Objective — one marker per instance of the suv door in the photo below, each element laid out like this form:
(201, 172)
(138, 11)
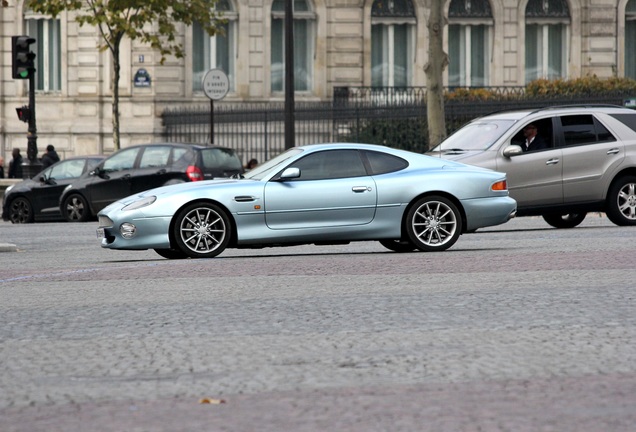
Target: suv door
(153, 169)
(590, 151)
(113, 179)
(535, 178)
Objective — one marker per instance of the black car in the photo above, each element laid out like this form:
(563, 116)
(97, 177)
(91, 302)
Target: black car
(38, 199)
(138, 168)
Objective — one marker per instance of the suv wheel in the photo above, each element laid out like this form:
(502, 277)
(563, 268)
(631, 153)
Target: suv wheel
(569, 220)
(75, 208)
(621, 201)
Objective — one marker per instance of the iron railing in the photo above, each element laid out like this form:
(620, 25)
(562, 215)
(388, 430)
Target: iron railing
(390, 116)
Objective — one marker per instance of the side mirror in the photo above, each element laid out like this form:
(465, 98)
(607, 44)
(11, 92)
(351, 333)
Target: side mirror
(290, 173)
(512, 150)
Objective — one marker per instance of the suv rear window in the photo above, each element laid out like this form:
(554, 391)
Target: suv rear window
(216, 158)
(628, 120)
(583, 129)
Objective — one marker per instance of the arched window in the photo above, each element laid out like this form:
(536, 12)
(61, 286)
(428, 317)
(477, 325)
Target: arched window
(47, 49)
(304, 23)
(630, 39)
(216, 52)
(547, 24)
(392, 43)
(469, 40)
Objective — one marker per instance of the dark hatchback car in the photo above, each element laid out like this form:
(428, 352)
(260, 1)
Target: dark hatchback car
(38, 199)
(138, 168)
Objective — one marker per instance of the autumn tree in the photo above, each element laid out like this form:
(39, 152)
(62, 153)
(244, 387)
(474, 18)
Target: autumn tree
(437, 61)
(149, 21)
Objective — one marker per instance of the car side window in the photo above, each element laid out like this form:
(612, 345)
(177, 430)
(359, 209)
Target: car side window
(382, 163)
(122, 160)
(584, 129)
(330, 164)
(156, 156)
(67, 169)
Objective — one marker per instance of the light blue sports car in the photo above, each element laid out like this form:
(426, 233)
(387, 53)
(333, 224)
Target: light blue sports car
(321, 194)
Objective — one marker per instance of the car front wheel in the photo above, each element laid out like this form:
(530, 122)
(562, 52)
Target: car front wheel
(202, 230)
(20, 211)
(433, 224)
(564, 221)
(621, 205)
(75, 208)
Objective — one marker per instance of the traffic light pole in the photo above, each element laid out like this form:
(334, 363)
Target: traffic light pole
(34, 166)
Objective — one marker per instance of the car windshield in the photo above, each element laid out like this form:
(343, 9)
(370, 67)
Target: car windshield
(273, 164)
(478, 135)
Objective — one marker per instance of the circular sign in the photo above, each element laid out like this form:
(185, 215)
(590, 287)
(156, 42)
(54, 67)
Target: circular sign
(216, 84)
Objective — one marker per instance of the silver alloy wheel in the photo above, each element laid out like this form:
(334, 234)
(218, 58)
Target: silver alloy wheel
(203, 230)
(434, 224)
(76, 208)
(626, 200)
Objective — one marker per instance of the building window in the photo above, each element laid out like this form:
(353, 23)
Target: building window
(469, 39)
(547, 24)
(47, 49)
(392, 43)
(630, 39)
(304, 23)
(215, 52)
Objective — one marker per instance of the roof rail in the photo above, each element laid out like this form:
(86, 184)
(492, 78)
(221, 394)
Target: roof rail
(577, 106)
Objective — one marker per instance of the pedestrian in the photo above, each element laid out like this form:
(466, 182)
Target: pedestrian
(1, 167)
(251, 164)
(15, 166)
(50, 157)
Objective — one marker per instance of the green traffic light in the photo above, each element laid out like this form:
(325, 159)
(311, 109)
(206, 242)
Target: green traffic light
(24, 74)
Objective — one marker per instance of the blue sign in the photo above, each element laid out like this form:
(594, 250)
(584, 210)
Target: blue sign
(142, 78)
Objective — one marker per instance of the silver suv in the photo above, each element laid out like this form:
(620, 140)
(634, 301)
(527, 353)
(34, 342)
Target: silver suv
(587, 163)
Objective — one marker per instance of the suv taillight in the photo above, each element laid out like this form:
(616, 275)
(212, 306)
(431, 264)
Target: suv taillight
(194, 173)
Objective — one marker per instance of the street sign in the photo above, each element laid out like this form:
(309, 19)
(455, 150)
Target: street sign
(216, 84)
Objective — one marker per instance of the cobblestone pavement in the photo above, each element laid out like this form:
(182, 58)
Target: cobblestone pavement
(517, 328)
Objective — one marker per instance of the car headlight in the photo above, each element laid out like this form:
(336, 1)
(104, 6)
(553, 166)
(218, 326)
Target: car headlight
(140, 203)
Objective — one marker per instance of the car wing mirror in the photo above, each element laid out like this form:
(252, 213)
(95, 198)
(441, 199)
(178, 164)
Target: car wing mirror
(512, 150)
(290, 173)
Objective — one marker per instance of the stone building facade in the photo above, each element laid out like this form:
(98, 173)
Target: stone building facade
(336, 43)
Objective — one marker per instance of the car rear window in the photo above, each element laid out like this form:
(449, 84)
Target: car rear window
(216, 158)
(628, 120)
(383, 163)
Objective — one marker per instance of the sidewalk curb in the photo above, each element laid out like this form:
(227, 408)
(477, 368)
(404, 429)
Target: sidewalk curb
(8, 247)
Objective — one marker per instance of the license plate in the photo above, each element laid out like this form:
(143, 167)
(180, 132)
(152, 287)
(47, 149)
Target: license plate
(100, 233)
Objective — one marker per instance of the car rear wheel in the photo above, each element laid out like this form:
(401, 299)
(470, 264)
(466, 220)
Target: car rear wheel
(569, 220)
(171, 253)
(433, 224)
(621, 205)
(398, 245)
(20, 211)
(75, 208)
(202, 230)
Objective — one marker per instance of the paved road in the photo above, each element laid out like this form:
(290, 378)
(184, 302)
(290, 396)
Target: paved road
(516, 328)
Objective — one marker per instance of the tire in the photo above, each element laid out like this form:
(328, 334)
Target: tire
(75, 208)
(433, 224)
(202, 230)
(171, 253)
(21, 211)
(398, 245)
(621, 201)
(569, 220)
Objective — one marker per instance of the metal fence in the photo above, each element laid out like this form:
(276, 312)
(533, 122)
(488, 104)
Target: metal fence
(395, 117)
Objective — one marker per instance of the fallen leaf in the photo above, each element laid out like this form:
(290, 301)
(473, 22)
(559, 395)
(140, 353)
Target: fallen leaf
(211, 401)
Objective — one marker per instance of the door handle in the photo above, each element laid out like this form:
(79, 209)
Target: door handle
(613, 151)
(360, 189)
(552, 161)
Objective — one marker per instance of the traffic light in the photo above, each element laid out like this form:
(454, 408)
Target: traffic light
(24, 113)
(22, 56)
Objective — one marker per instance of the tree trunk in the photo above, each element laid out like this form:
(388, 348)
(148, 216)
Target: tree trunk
(116, 76)
(437, 61)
